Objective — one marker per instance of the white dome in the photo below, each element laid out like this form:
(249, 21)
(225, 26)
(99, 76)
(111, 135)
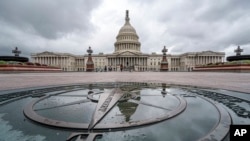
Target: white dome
(127, 38)
(127, 28)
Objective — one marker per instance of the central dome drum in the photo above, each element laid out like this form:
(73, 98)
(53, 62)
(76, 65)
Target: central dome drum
(127, 38)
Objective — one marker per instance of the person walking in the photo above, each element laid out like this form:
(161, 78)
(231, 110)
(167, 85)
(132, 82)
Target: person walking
(121, 67)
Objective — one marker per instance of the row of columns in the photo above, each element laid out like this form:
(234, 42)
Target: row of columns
(80, 62)
(52, 60)
(127, 47)
(207, 59)
(175, 61)
(142, 61)
(192, 61)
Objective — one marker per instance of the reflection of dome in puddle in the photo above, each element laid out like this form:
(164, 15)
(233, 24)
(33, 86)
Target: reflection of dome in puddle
(127, 109)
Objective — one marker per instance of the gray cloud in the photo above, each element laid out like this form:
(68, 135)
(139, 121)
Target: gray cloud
(71, 26)
(35, 25)
(50, 19)
(208, 25)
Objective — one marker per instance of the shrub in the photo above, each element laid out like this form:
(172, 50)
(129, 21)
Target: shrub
(2, 62)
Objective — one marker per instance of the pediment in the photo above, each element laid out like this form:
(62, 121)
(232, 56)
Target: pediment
(209, 53)
(46, 53)
(128, 53)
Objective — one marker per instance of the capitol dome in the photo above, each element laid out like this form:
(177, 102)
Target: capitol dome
(127, 38)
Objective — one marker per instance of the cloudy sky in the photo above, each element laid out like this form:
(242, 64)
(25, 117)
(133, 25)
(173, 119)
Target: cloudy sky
(72, 25)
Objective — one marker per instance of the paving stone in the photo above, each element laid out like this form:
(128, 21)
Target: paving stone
(231, 81)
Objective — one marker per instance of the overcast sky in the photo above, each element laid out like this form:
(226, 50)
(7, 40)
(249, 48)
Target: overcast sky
(70, 26)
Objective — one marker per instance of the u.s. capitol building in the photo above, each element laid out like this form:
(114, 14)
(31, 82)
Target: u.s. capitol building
(127, 52)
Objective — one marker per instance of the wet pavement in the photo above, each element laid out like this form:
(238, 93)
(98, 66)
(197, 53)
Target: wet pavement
(229, 81)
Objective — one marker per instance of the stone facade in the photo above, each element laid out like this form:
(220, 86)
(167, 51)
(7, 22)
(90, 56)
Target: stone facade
(65, 61)
(127, 52)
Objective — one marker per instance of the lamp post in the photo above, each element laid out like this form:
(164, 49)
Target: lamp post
(164, 62)
(90, 63)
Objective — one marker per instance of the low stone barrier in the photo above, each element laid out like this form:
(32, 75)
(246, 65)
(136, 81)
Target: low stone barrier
(224, 68)
(28, 68)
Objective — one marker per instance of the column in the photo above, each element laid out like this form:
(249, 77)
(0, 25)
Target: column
(115, 62)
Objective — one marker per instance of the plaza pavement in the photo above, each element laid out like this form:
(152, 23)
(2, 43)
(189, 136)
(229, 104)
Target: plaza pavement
(230, 81)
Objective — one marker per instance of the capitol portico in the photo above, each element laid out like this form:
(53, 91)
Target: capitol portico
(127, 53)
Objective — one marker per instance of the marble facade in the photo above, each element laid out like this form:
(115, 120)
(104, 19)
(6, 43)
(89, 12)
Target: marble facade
(127, 52)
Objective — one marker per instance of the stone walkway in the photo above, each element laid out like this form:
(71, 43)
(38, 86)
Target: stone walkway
(230, 81)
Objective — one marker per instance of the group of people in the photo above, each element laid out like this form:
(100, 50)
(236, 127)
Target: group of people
(110, 68)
